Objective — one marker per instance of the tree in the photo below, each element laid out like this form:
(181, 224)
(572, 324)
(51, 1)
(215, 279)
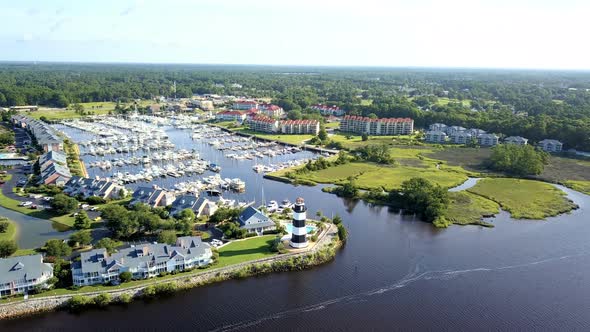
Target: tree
(294, 115)
(342, 232)
(81, 237)
(7, 247)
(121, 222)
(125, 276)
(519, 160)
(57, 248)
(106, 243)
(63, 204)
(82, 221)
(422, 197)
(187, 215)
(365, 137)
(168, 237)
(4, 224)
(323, 134)
(337, 219)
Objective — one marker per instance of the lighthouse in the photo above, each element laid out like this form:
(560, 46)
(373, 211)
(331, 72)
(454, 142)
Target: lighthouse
(298, 239)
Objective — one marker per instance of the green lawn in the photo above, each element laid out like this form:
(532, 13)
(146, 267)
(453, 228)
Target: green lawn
(352, 141)
(232, 125)
(332, 125)
(524, 199)
(246, 250)
(291, 139)
(25, 252)
(467, 208)
(444, 101)
(10, 233)
(366, 102)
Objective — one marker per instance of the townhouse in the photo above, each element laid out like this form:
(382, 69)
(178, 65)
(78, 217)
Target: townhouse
(201, 206)
(24, 273)
(230, 116)
(328, 110)
(46, 137)
(263, 124)
(79, 186)
(461, 137)
(300, 127)
(436, 136)
(152, 197)
(142, 261)
(487, 140)
(516, 140)
(272, 111)
(551, 145)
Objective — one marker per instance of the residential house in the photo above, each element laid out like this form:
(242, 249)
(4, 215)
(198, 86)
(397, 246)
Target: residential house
(23, 273)
(551, 145)
(92, 187)
(253, 220)
(46, 137)
(437, 127)
(376, 127)
(516, 140)
(263, 124)
(152, 197)
(183, 202)
(205, 207)
(454, 129)
(487, 140)
(436, 136)
(50, 158)
(230, 116)
(461, 137)
(142, 261)
(55, 174)
(244, 104)
(475, 132)
(300, 127)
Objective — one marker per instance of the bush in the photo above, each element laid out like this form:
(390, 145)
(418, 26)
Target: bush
(342, 232)
(149, 292)
(57, 248)
(125, 276)
(4, 226)
(251, 234)
(77, 302)
(314, 238)
(7, 247)
(168, 237)
(165, 289)
(63, 204)
(102, 300)
(95, 200)
(125, 298)
(337, 220)
(270, 232)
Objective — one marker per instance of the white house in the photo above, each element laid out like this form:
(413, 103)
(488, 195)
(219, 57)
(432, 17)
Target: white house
(436, 136)
(516, 140)
(487, 140)
(462, 137)
(551, 145)
(23, 273)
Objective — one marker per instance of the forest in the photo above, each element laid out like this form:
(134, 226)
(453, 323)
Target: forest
(533, 104)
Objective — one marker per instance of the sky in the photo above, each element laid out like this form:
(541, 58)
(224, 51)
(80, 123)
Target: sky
(551, 34)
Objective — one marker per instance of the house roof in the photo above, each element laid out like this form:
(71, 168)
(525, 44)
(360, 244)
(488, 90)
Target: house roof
(23, 267)
(367, 119)
(253, 218)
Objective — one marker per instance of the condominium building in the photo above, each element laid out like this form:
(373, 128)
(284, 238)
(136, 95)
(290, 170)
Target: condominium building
(551, 145)
(437, 127)
(23, 273)
(516, 140)
(263, 124)
(300, 127)
(142, 261)
(230, 116)
(462, 137)
(436, 136)
(244, 104)
(328, 110)
(487, 140)
(376, 127)
(272, 111)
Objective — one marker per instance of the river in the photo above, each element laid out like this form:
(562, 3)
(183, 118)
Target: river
(394, 273)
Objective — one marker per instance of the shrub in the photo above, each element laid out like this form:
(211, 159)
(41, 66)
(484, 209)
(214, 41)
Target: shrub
(7, 247)
(165, 289)
(125, 298)
(95, 200)
(314, 238)
(250, 234)
(102, 300)
(149, 292)
(342, 232)
(4, 226)
(125, 276)
(77, 302)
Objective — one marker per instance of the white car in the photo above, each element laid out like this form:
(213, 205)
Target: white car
(85, 206)
(28, 203)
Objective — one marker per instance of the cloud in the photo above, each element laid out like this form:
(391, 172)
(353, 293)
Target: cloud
(132, 8)
(27, 37)
(58, 23)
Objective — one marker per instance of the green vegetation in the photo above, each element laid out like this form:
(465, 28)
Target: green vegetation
(7, 229)
(286, 138)
(466, 208)
(63, 204)
(581, 186)
(246, 250)
(518, 159)
(425, 199)
(57, 248)
(73, 158)
(524, 199)
(7, 248)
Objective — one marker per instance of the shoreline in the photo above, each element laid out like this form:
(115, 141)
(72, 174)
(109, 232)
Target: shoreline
(322, 252)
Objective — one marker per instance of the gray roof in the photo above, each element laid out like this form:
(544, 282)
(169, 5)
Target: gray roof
(55, 156)
(183, 202)
(550, 141)
(88, 187)
(253, 218)
(142, 255)
(23, 267)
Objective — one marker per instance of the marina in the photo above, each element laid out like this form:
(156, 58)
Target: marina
(179, 154)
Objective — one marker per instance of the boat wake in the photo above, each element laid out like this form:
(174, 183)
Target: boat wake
(413, 276)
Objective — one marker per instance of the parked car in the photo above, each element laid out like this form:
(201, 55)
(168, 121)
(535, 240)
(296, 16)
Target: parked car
(33, 206)
(25, 204)
(85, 206)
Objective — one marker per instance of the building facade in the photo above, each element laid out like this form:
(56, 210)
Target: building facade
(272, 111)
(376, 127)
(328, 110)
(23, 273)
(300, 127)
(263, 124)
(142, 261)
(230, 116)
(244, 104)
(462, 137)
(516, 140)
(436, 136)
(487, 140)
(551, 145)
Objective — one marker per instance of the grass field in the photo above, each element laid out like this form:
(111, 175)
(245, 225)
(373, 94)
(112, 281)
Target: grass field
(524, 199)
(581, 186)
(291, 139)
(10, 232)
(61, 113)
(444, 101)
(332, 125)
(246, 250)
(366, 102)
(467, 208)
(355, 141)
